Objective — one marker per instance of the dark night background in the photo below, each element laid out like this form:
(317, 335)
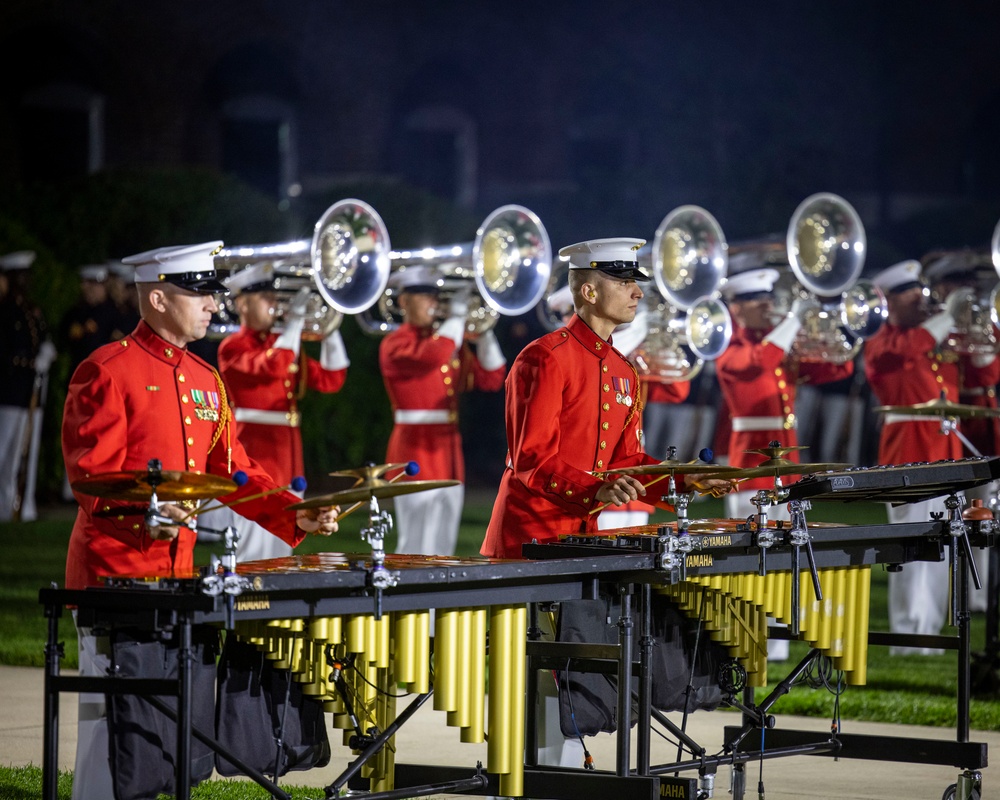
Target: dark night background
(126, 125)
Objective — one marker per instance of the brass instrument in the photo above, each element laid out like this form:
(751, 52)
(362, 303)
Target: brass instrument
(688, 324)
(508, 263)
(975, 307)
(822, 256)
(345, 265)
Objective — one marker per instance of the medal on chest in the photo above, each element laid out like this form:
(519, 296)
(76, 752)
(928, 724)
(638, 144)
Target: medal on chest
(206, 405)
(623, 391)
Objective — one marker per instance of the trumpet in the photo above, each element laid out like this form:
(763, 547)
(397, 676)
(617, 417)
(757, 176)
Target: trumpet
(688, 325)
(345, 265)
(508, 264)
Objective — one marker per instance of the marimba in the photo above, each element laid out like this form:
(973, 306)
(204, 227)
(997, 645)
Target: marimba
(298, 610)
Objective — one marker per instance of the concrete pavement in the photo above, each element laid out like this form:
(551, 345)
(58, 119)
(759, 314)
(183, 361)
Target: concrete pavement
(426, 739)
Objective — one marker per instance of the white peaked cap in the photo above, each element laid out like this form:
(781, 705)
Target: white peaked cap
(93, 272)
(253, 278)
(750, 282)
(901, 274)
(191, 266)
(21, 259)
(416, 278)
(123, 271)
(615, 257)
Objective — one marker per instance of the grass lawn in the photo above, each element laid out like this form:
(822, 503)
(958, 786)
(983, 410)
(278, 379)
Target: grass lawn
(911, 689)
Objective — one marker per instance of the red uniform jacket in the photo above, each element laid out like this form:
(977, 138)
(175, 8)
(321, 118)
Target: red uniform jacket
(571, 408)
(425, 372)
(905, 367)
(758, 382)
(260, 378)
(138, 399)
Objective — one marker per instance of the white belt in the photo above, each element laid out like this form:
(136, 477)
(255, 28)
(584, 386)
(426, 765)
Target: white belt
(891, 418)
(424, 416)
(741, 424)
(975, 391)
(258, 416)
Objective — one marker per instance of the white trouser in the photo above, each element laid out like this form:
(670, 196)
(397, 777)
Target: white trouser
(255, 542)
(738, 506)
(13, 429)
(918, 595)
(612, 519)
(92, 773)
(427, 522)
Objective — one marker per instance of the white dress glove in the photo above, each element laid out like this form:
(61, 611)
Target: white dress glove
(958, 300)
(46, 355)
(295, 320)
(454, 327)
(939, 325)
(784, 333)
(489, 353)
(332, 353)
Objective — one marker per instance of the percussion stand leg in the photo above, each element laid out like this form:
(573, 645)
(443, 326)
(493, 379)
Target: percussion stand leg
(625, 626)
(531, 693)
(53, 656)
(185, 657)
(645, 695)
(376, 744)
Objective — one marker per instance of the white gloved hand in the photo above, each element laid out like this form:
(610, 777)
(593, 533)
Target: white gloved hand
(802, 306)
(294, 322)
(299, 305)
(458, 305)
(939, 326)
(458, 308)
(958, 300)
(332, 353)
(784, 333)
(46, 355)
(489, 353)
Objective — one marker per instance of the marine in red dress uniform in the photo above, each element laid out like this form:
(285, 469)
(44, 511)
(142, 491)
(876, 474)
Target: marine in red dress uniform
(906, 365)
(146, 397)
(266, 373)
(758, 379)
(572, 408)
(425, 368)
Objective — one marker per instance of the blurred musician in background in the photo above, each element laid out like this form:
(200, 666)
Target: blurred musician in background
(426, 364)
(141, 398)
(26, 355)
(906, 365)
(121, 290)
(266, 373)
(758, 379)
(973, 274)
(90, 322)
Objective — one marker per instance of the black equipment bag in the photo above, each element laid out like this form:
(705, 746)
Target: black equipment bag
(259, 707)
(588, 701)
(142, 741)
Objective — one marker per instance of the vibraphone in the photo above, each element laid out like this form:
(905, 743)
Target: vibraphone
(292, 609)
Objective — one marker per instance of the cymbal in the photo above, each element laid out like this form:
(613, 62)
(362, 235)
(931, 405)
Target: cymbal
(376, 488)
(675, 468)
(774, 467)
(170, 485)
(776, 450)
(940, 408)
